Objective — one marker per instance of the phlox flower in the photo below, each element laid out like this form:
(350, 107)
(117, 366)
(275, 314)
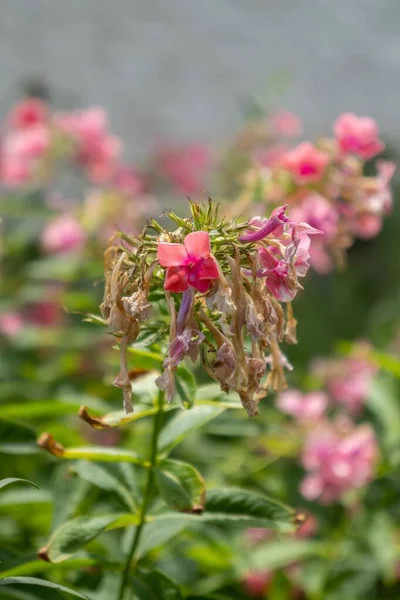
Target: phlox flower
(304, 407)
(305, 162)
(62, 234)
(27, 113)
(358, 135)
(188, 264)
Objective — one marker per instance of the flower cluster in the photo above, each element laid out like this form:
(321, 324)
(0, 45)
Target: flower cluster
(324, 185)
(339, 457)
(338, 454)
(223, 283)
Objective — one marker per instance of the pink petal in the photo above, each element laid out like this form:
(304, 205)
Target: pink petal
(197, 244)
(207, 269)
(171, 255)
(176, 279)
(201, 285)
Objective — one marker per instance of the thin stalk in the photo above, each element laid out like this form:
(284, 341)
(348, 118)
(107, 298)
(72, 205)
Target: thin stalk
(131, 563)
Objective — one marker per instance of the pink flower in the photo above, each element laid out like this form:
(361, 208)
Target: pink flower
(358, 135)
(127, 181)
(62, 234)
(47, 313)
(339, 459)
(11, 323)
(366, 225)
(27, 113)
(185, 167)
(318, 212)
(256, 583)
(351, 381)
(27, 144)
(188, 264)
(304, 407)
(97, 151)
(305, 162)
(271, 156)
(14, 172)
(285, 124)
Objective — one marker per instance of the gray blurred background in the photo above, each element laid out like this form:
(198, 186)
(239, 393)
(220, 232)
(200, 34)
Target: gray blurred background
(186, 69)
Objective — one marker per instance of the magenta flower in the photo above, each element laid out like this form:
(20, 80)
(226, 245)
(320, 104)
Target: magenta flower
(304, 407)
(358, 135)
(305, 162)
(188, 264)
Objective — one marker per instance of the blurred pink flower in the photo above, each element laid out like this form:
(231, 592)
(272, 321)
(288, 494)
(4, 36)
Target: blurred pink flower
(320, 259)
(318, 212)
(188, 264)
(256, 535)
(97, 151)
(339, 459)
(62, 234)
(285, 124)
(255, 583)
(127, 181)
(305, 162)
(47, 313)
(366, 225)
(271, 156)
(308, 529)
(27, 113)
(185, 167)
(304, 407)
(13, 171)
(358, 135)
(27, 144)
(11, 323)
(351, 381)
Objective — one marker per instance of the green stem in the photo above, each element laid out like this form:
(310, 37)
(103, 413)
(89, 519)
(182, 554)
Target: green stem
(131, 564)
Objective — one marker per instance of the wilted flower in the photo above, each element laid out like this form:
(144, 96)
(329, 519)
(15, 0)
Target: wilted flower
(339, 457)
(223, 301)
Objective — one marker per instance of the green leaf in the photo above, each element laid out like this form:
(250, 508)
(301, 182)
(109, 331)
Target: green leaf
(15, 439)
(279, 554)
(181, 486)
(159, 531)
(143, 359)
(69, 493)
(32, 581)
(72, 535)
(153, 585)
(186, 387)
(248, 508)
(106, 477)
(186, 422)
(382, 539)
(383, 401)
(4, 482)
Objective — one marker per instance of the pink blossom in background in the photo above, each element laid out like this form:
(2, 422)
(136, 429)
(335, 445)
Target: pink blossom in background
(285, 124)
(97, 151)
(255, 535)
(350, 382)
(186, 167)
(320, 259)
(62, 234)
(338, 459)
(305, 162)
(304, 407)
(127, 181)
(27, 113)
(271, 156)
(11, 323)
(27, 144)
(255, 583)
(366, 225)
(14, 172)
(308, 529)
(47, 313)
(318, 212)
(358, 135)
(188, 264)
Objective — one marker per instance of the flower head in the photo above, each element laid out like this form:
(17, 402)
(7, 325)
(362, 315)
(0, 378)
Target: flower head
(27, 113)
(358, 135)
(188, 264)
(305, 162)
(62, 234)
(304, 407)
